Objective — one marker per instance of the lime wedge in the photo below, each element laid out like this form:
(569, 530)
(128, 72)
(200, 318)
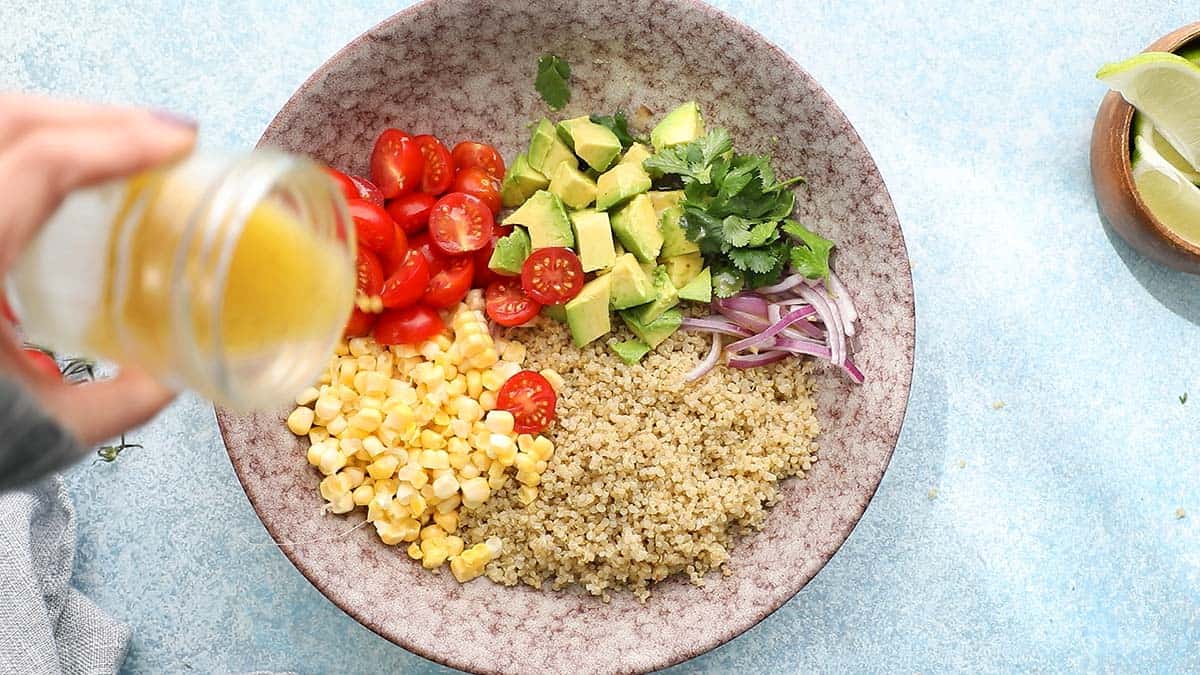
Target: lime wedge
(1166, 89)
(1144, 128)
(1171, 197)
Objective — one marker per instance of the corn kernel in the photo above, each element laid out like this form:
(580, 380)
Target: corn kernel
(363, 494)
(491, 380)
(447, 521)
(552, 376)
(331, 461)
(526, 494)
(457, 386)
(474, 384)
(474, 299)
(432, 440)
(475, 491)
(367, 419)
(414, 550)
(528, 478)
(500, 422)
(336, 426)
(434, 552)
(524, 462)
(373, 446)
(480, 459)
(445, 486)
(417, 504)
(487, 400)
(513, 352)
(353, 433)
(375, 384)
(317, 434)
(503, 449)
(543, 448)
(495, 546)
(360, 346)
(327, 408)
(467, 471)
(341, 349)
(307, 396)
(315, 452)
(383, 467)
(344, 503)
(346, 372)
(435, 459)
(497, 481)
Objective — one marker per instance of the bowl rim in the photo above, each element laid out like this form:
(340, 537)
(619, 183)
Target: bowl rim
(1171, 42)
(745, 32)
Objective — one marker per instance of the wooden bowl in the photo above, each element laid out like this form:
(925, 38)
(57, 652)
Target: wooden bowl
(1121, 206)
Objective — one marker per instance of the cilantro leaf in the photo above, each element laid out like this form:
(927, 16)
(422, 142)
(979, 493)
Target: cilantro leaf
(692, 161)
(812, 258)
(619, 125)
(727, 282)
(735, 231)
(764, 233)
(757, 260)
(551, 81)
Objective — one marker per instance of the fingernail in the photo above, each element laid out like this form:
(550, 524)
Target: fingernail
(174, 118)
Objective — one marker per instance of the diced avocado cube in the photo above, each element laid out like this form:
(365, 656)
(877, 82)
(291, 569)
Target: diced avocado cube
(698, 289)
(682, 125)
(630, 351)
(544, 215)
(637, 228)
(665, 297)
(620, 184)
(630, 285)
(556, 312)
(587, 313)
(675, 241)
(595, 144)
(664, 199)
(510, 252)
(593, 239)
(521, 181)
(546, 149)
(683, 268)
(636, 154)
(574, 188)
(653, 334)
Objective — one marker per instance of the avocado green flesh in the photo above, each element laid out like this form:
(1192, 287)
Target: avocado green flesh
(620, 184)
(544, 215)
(630, 286)
(593, 238)
(683, 268)
(546, 149)
(665, 297)
(510, 252)
(595, 144)
(574, 188)
(556, 312)
(630, 351)
(675, 241)
(637, 228)
(636, 154)
(654, 333)
(587, 313)
(682, 125)
(664, 199)
(521, 182)
(698, 289)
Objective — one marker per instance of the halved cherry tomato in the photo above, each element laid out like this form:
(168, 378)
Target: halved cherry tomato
(470, 153)
(408, 326)
(476, 181)
(407, 282)
(348, 187)
(392, 259)
(531, 400)
(484, 275)
(439, 167)
(360, 323)
(376, 229)
(366, 190)
(508, 305)
(460, 223)
(552, 276)
(411, 211)
(449, 286)
(42, 362)
(437, 258)
(396, 163)
(370, 273)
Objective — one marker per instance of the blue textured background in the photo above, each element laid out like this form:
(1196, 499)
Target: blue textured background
(1040, 534)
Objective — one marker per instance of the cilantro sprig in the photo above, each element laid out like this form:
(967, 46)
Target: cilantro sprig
(738, 213)
(551, 81)
(619, 125)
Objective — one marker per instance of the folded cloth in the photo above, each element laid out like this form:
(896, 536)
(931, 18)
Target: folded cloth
(32, 444)
(46, 626)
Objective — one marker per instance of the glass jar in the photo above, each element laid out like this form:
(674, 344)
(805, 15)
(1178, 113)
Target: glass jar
(232, 276)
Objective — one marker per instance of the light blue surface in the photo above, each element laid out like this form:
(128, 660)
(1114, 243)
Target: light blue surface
(1051, 541)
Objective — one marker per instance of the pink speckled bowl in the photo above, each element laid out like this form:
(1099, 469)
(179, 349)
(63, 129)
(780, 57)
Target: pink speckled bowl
(464, 70)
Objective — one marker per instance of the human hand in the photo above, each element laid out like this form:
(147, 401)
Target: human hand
(48, 148)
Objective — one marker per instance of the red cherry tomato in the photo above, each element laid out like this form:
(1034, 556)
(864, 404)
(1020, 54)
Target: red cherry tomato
(360, 323)
(477, 182)
(348, 187)
(370, 273)
(407, 283)
(42, 362)
(392, 259)
(552, 276)
(531, 400)
(374, 226)
(484, 275)
(411, 211)
(449, 286)
(396, 163)
(408, 326)
(366, 190)
(437, 258)
(6, 309)
(508, 305)
(460, 223)
(482, 155)
(439, 167)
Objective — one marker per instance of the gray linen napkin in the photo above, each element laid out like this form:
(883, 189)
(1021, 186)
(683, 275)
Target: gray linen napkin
(46, 626)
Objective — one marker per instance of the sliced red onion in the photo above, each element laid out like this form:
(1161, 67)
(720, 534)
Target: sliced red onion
(715, 324)
(829, 316)
(852, 370)
(774, 313)
(714, 355)
(786, 285)
(767, 337)
(756, 360)
(802, 347)
(745, 320)
(845, 304)
(752, 304)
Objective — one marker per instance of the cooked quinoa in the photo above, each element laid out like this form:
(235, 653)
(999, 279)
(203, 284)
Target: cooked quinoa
(651, 476)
